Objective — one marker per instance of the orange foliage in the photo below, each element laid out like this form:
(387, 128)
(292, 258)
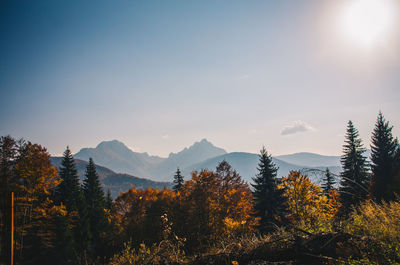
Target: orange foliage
(210, 206)
(218, 204)
(37, 177)
(138, 213)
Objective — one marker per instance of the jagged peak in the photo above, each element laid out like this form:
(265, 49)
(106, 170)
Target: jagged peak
(111, 142)
(199, 144)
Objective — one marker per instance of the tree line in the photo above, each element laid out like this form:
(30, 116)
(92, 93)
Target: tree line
(62, 220)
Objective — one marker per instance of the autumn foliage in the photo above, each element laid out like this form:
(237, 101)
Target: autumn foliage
(308, 207)
(210, 206)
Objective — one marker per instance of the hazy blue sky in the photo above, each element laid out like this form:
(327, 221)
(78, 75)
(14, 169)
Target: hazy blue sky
(159, 75)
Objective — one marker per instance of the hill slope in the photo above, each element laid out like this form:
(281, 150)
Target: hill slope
(116, 182)
(246, 165)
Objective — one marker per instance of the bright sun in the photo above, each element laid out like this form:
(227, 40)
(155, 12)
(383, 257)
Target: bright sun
(366, 22)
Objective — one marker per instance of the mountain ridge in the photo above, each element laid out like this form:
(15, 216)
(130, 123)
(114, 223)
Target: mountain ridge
(116, 156)
(116, 182)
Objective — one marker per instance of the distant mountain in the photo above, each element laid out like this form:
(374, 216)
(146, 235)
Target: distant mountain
(118, 157)
(310, 159)
(196, 153)
(116, 182)
(316, 160)
(246, 165)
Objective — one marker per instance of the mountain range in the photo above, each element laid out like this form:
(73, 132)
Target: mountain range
(120, 168)
(201, 155)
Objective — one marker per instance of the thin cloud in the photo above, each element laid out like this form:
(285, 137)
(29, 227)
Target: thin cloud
(165, 137)
(296, 127)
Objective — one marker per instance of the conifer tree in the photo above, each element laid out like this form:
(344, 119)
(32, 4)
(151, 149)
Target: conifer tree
(355, 179)
(71, 195)
(268, 199)
(329, 181)
(109, 200)
(64, 240)
(95, 200)
(383, 156)
(178, 181)
(69, 189)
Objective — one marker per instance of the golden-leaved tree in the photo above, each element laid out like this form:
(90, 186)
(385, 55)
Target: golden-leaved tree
(139, 212)
(210, 206)
(37, 218)
(308, 207)
(218, 204)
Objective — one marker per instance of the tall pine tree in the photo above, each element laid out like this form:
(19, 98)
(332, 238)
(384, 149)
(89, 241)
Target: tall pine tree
(109, 200)
(268, 199)
(69, 192)
(329, 181)
(355, 179)
(178, 181)
(383, 156)
(95, 200)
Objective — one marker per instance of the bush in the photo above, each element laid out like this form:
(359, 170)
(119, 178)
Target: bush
(381, 224)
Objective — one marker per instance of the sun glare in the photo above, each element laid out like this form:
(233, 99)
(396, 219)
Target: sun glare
(366, 22)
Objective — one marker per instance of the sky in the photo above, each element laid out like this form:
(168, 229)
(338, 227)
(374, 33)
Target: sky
(160, 75)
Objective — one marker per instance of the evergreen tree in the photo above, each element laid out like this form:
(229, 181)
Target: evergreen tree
(95, 200)
(109, 200)
(68, 192)
(71, 195)
(329, 181)
(396, 182)
(63, 251)
(178, 181)
(383, 156)
(268, 199)
(82, 230)
(355, 179)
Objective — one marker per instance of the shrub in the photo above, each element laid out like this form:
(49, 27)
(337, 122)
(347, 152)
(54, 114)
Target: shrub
(380, 223)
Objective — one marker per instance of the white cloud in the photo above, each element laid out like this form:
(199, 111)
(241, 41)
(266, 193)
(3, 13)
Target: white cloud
(295, 127)
(165, 136)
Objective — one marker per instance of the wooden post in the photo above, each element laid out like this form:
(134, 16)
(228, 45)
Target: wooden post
(12, 230)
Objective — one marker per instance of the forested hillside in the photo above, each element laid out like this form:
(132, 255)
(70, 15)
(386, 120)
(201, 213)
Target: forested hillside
(213, 217)
(115, 182)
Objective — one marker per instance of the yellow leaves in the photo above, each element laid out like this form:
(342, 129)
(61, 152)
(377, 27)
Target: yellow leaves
(35, 171)
(306, 203)
(231, 224)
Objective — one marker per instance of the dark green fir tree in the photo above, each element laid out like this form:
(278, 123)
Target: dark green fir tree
(68, 192)
(178, 181)
(95, 200)
(354, 177)
(267, 198)
(63, 251)
(383, 157)
(328, 182)
(109, 200)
